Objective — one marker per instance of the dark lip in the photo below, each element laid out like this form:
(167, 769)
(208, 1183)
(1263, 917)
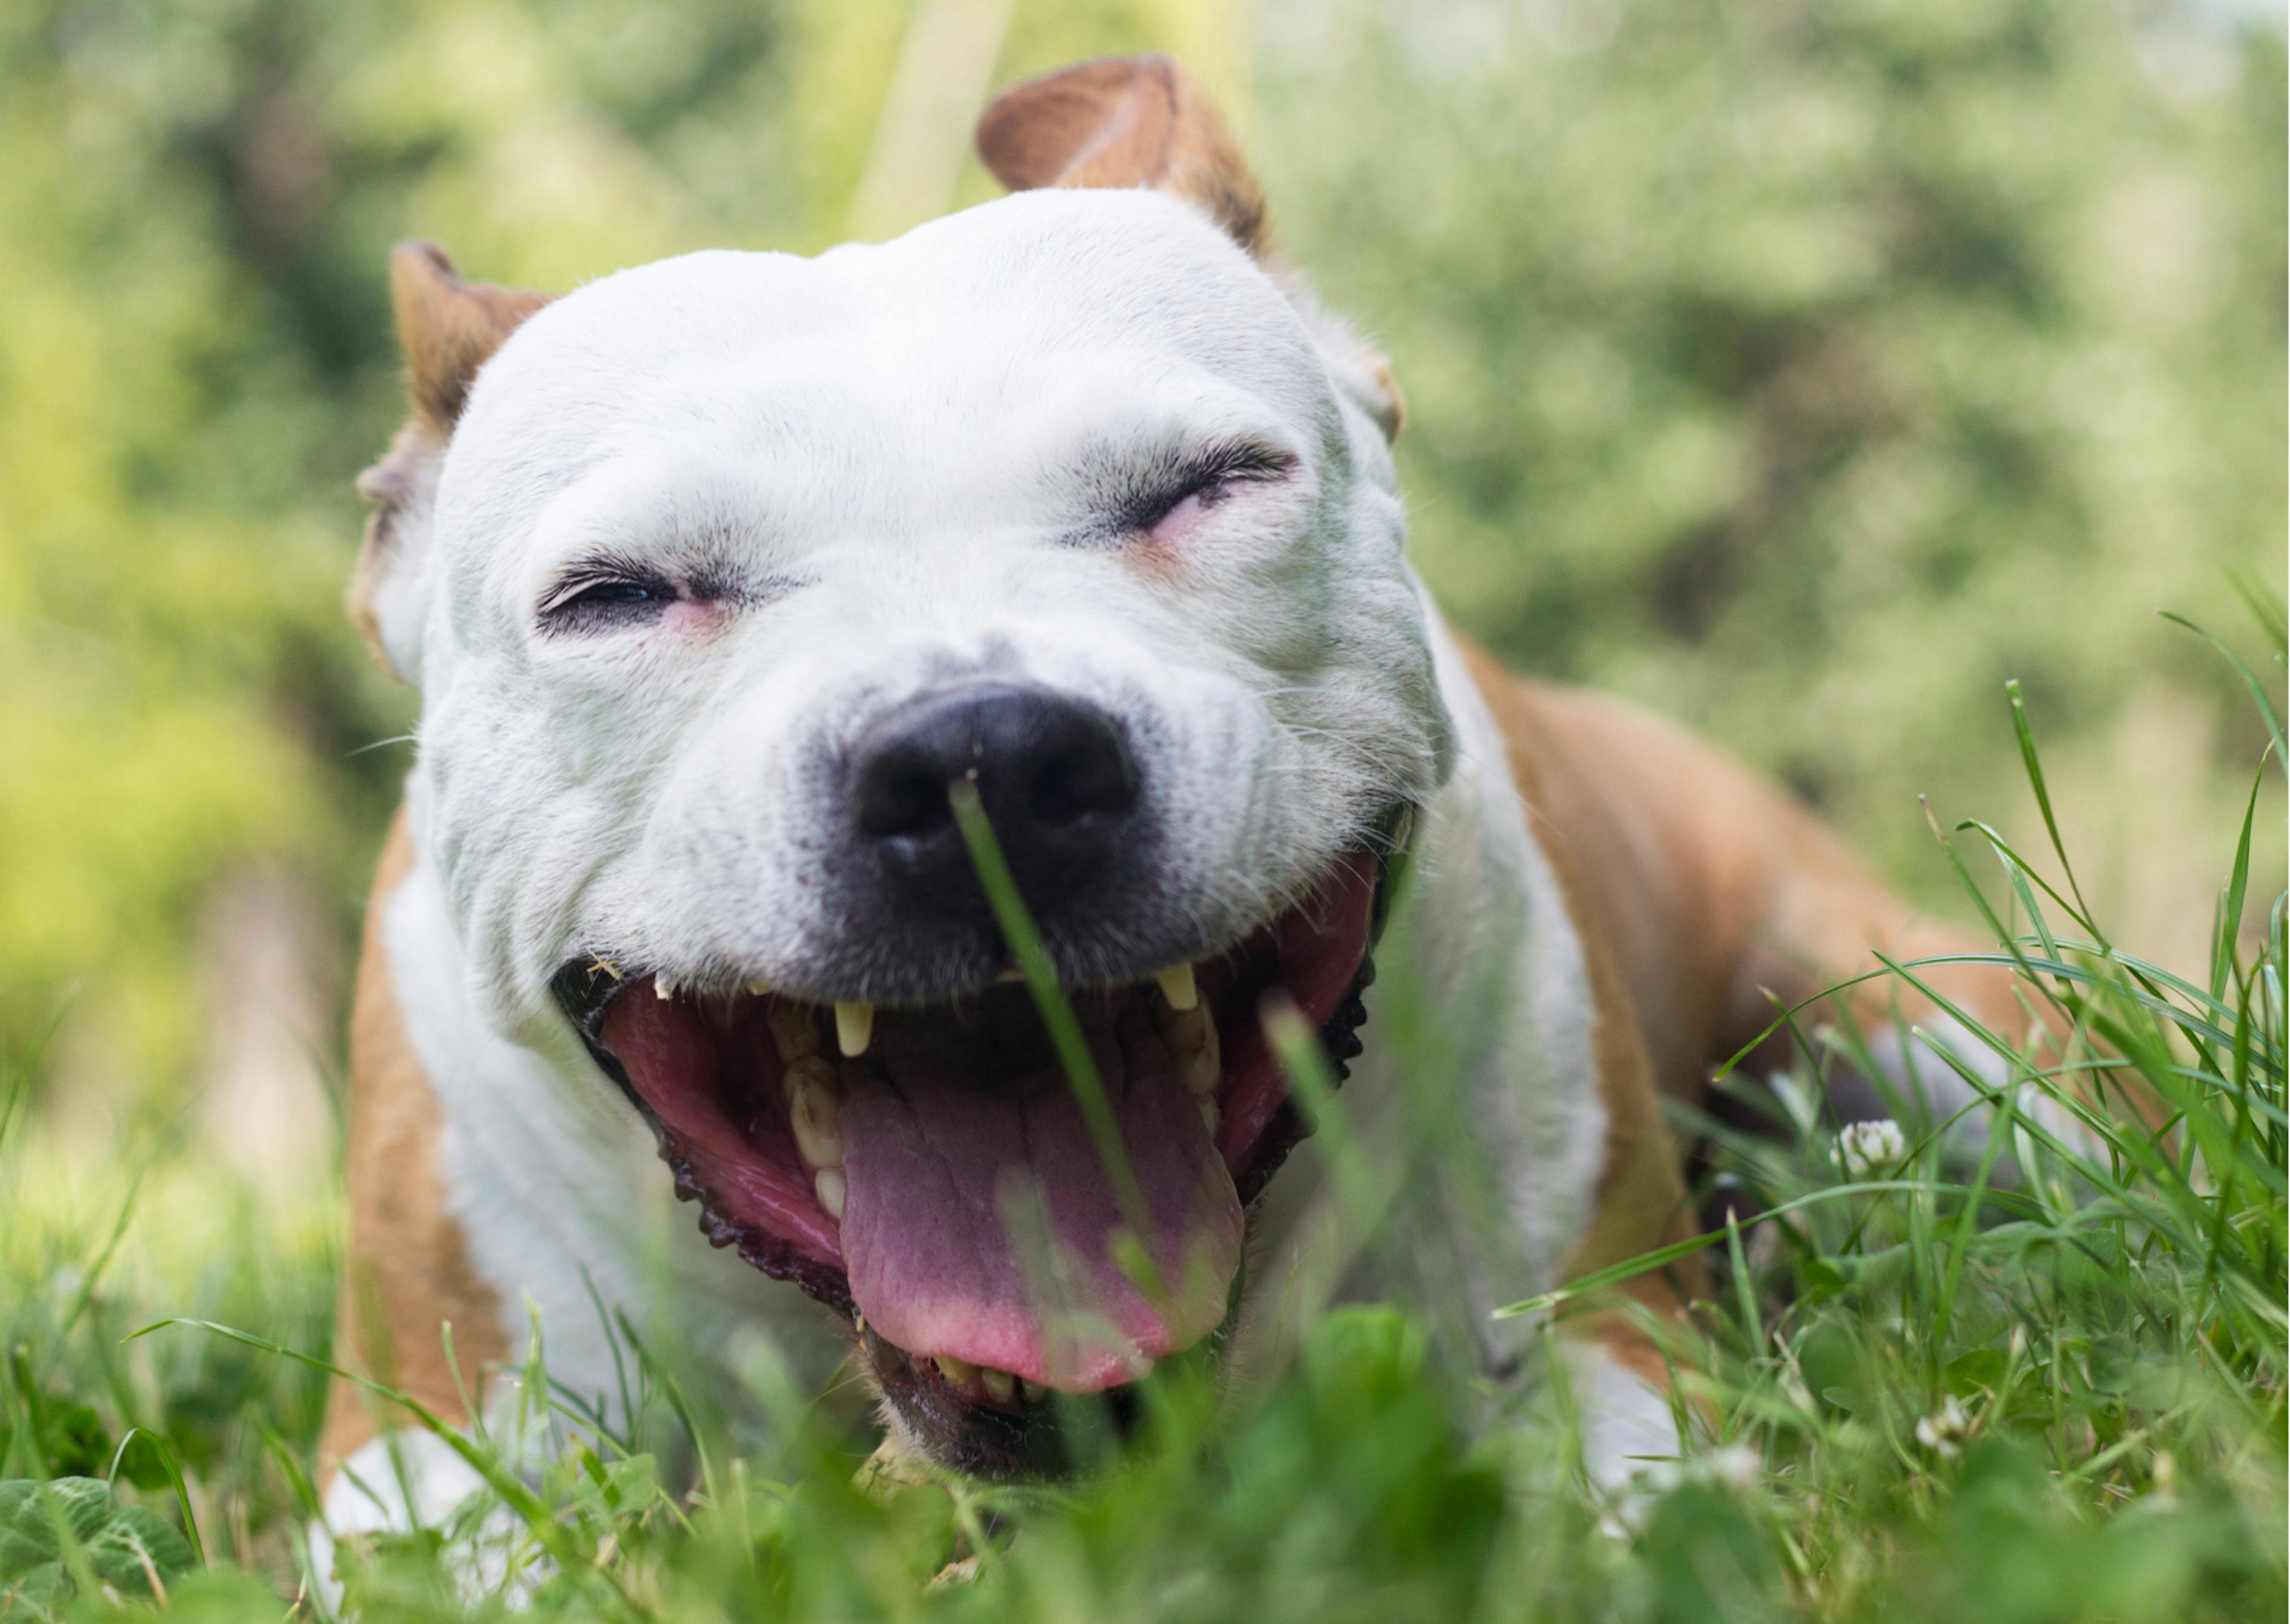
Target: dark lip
(979, 1440)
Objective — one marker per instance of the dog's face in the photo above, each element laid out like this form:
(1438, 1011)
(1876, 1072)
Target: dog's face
(726, 570)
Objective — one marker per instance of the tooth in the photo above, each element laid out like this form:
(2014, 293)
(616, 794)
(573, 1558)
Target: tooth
(1192, 1036)
(1177, 986)
(1034, 1390)
(962, 1373)
(814, 1111)
(793, 1031)
(1000, 1385)
(827, 1182)
(854, 1027)
(663, 988)
(1210, 1117)
(1009, 972)
(760, 987)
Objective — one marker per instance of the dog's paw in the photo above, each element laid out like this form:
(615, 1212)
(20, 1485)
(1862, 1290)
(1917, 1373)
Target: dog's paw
(409, 1482)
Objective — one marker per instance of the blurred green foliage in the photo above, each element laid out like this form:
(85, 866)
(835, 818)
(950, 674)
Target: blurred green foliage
(1774, 362)
(1806, 368)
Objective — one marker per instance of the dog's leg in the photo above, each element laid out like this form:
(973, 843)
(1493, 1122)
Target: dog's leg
(406, 1275)
(1620, 1361)
(1725, 900)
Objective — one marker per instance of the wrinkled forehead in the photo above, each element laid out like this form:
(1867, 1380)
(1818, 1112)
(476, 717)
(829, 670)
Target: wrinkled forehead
(1067, 311)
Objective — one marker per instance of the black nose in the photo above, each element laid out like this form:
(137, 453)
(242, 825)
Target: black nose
(1054, 773)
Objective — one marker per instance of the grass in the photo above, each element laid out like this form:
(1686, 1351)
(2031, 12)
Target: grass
(1924, 1389)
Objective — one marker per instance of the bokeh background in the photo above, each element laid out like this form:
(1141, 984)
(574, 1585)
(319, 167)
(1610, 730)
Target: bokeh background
(1803, 368)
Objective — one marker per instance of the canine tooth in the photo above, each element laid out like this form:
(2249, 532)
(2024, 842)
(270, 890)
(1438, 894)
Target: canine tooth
(854, 1028)
(829, 1184)
(814, 1111)
(793, 1032)
(1210, 1117)
(1178, 988)
(1192, 1036)
(962, 1373)
(1000, 1385)
(663, 988)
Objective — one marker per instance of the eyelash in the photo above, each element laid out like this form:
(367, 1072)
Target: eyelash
(1209, 475)
(605, 593)
(596, 598)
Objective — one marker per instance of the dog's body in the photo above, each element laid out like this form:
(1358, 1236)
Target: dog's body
(825, 499)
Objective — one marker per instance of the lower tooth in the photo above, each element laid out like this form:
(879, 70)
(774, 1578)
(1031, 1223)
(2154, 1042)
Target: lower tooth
(1192, 1036)
(829, 1184)
(1210, 1117)
(1035, 1391)
(814, 1111)
(999, 1384)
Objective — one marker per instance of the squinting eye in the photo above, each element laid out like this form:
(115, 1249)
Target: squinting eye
(605, 601)
(611, 592)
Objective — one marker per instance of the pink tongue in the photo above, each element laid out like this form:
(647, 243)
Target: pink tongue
(932, 1168)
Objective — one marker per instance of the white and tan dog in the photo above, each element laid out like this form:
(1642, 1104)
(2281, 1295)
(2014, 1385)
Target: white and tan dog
(716, 573)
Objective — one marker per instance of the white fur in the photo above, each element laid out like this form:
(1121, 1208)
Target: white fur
(403, 1481)
(881, 442)
(1628, 1431)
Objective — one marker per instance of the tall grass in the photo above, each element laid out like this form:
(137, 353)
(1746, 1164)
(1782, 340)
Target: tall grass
(2042, 1382)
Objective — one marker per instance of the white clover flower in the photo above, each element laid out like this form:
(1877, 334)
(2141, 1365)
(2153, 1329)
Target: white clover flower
(1944, 1430)
(1870, 1148)
(1736, 1465)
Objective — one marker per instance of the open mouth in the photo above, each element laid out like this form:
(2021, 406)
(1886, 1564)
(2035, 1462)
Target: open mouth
(930, 1173)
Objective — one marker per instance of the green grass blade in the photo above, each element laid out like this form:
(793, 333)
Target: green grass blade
(1313, 1082)
(2034, 765)
(1630, 1268)
(2258, 694)
(173, 1467)
(1026, 945)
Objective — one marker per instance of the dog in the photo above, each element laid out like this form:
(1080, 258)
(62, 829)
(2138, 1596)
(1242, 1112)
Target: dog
(723, 578)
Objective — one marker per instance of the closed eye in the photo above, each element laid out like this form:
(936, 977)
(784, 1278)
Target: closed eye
(602, 594)
(1205, 476)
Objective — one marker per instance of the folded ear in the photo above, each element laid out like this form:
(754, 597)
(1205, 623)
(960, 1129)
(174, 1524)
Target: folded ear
(1135, 121)
(448, 329)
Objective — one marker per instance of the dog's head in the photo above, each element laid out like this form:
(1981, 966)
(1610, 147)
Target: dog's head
(717, 574)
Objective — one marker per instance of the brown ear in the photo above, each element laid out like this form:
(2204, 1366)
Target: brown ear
(449, 329)
(1123, 122)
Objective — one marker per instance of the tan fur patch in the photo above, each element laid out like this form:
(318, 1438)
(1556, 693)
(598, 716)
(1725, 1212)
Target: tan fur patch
(1718, 892)
(1124, 122)
(406, 1271)
(449, 328)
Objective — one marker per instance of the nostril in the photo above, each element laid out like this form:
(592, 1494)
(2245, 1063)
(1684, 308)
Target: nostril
(896, 803)
(1092, 775)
